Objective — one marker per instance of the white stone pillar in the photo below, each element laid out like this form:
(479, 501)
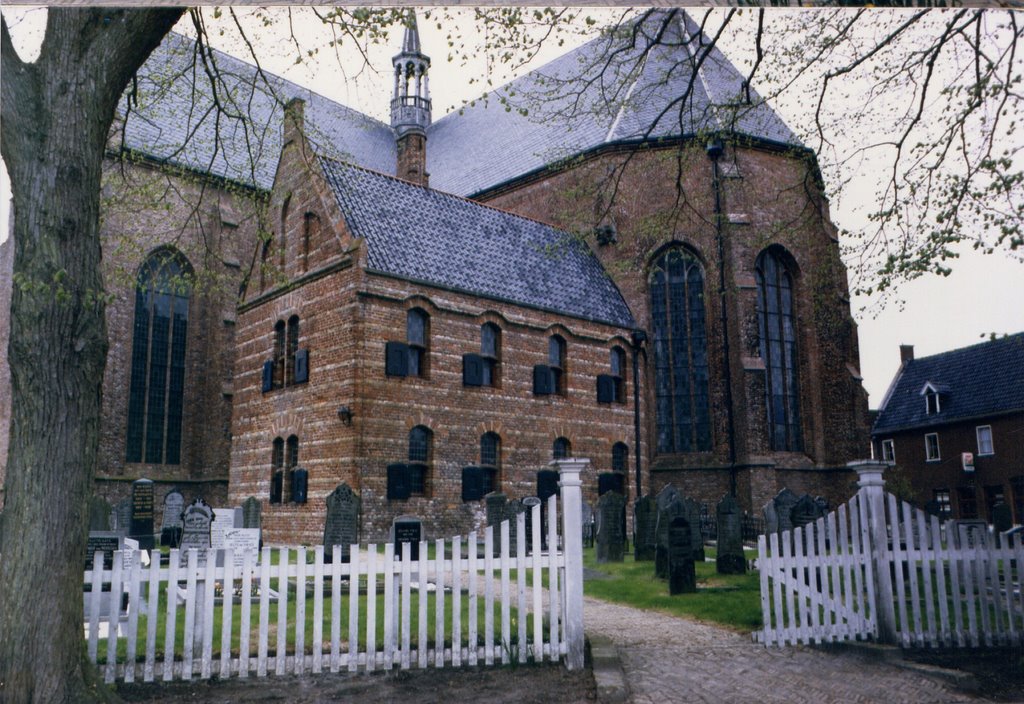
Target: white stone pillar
(571, 494)
(872, 493)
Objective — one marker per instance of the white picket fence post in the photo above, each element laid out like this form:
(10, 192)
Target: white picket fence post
(571, 496)
(869, 473)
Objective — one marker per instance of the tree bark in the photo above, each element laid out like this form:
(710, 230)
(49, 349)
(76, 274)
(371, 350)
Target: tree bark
(56, 114)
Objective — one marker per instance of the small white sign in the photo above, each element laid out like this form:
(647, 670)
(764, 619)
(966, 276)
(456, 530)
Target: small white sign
(242, 540)
(967, 458)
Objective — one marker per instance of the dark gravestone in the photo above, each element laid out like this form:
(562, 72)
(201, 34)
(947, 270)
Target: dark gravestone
(252, 513)
(105, 541)
(407, 530)
(784, 502)
(99, 514)
(771, 519)
(666, 514)
(547, 486)
(803, 515)
(528, 503)
(611, 538)
(611, 481)
(195, 533)
(143, 505)
(682, 574)
(170, 527)
(645, 523)
(512, 509)
(587, 524)
(122, 516)
(730, 558)
(1002, 518)
(341, 527)
(495, 502)
(691, 511)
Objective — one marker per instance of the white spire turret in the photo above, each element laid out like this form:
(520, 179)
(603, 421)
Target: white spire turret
(410, 102)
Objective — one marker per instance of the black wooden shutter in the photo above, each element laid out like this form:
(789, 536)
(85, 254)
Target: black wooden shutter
(547, 484)
(396, 358)
(301, 366)
(275, 487)
(399, 487)
(543, 380)
(300, 481)
(472, 370)
(472, 484)
(268, 375)
(605, 388)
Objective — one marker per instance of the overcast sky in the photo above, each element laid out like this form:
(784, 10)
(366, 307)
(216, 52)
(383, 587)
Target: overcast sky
(984, 294)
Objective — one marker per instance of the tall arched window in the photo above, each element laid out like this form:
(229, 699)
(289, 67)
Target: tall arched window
(157, 384)
(778, 350)
(291, 461)
(620, 457)
(490, 350)
(277, 471)
(420, 441)
(561, 449)
(279, 354)
(418, 339)
(292, 346)
(680, 352)
(490, 461)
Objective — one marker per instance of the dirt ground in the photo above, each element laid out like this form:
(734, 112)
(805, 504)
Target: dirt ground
(540, 684)
(998, 672)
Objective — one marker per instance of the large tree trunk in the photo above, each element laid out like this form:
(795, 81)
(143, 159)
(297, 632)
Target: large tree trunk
(56, 114)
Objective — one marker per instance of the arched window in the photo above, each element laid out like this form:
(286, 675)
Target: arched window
(618, 365)
(778, 350)
(680, 352)
(561, 449)
(291, 461)
(490, 461)
(620, 457)
(490, 350)
(157, 384)
(277, 471)
(292, 346)
(279, 354)
(418, 339)
(420, 451)
(556, 361)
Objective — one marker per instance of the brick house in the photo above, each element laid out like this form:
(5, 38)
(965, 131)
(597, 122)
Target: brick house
(486, 308)
(953, 423)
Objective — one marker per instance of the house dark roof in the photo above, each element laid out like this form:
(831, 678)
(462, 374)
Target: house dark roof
(981, 380)
(477, 148)
(423, 235)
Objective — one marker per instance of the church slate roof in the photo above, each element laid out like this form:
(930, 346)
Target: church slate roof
(982, 380)
(427, 236)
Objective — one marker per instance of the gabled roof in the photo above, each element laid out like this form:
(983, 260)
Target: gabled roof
(986, 379)
(422, 235)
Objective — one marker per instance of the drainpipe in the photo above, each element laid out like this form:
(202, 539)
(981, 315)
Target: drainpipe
(638, 338)
(714, 150)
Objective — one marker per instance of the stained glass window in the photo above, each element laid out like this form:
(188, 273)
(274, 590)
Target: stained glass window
(779, 351)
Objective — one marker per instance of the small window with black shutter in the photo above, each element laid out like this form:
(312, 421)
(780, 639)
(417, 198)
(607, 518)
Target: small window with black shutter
(291, 348)
(561, 449)
(279, 354)
(276, 471)
(420, 441)
(543, 380)
(291, 463)
(620, 457)
(417, 337)
(398, 482)
(268, 376)
(301, 366)
(618, 373)
(472, 370)
(490, 353)
(396, 359)
(556, 361)
(490, 461)
(605, 388)
(472, 484)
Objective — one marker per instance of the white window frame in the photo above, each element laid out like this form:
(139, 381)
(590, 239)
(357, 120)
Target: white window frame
(928, 396)
(991, 444)
(938, 452)
(890, 455)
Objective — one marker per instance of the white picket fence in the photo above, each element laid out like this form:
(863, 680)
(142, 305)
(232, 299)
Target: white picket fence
(489, 608)
(880, 569)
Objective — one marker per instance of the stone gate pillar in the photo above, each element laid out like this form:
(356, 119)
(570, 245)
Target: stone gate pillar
(872, 495)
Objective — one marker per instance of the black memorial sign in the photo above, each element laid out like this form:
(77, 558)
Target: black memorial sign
(142, 513)
(408, 531)
(106, 542)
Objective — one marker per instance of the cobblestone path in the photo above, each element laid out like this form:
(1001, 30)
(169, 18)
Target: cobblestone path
(668, 659)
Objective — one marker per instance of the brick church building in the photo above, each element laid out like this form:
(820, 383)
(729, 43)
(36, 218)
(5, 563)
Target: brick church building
(433, 310)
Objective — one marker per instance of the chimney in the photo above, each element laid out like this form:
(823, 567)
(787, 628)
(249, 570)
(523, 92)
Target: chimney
(294, 120)
(906, 353)
(410, 106)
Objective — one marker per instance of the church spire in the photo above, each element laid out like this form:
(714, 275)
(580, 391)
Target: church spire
(410, 105)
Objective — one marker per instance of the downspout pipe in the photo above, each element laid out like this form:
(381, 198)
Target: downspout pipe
(715, 149)
(638, 338)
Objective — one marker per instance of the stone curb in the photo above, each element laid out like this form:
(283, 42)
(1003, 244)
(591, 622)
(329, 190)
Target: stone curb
(608, 674)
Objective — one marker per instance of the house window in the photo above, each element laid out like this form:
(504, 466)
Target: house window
(277, 471)
(561, 449)
(931, 402)
(490, 351)
(420, 450)
(984, 433)
(490, 461)
(777, 325)
(291, 461)
(680, 353)
(941, 497)
(968, 502)
(1017, 490)
(620, 457)
(418, 337)
(556, 362)
(157, 383)
(931, 447)
(889, 451)
(618, 369)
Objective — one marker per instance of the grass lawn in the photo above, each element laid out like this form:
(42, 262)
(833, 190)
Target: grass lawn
(733, 601)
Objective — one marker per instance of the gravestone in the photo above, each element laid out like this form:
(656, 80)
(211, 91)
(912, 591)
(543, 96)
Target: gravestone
(528, 503)
(691, 510)
(547, 486)
(611, 538)
(122, 516)
(682, 574)
(645, 523)
(771, 518)
(407, 529)
(1002, 518)
(105, 541)
(243, 541)
(968, 533)
(784, 502)
(495, 502)
(195, 533)
(804, 514)
(730, 558)
(666, 514)
(170, 528)
(587, 523)
(223, 521)
(142, 505)
(341, 526)
(252, 513)
(99, 514)
(512, 509)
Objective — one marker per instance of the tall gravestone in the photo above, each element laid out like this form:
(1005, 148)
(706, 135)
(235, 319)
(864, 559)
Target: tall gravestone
(611, 539)
(143, 506)
(99, 514)
(691, 510)
(170, 526)
(123, 516)
(730, 558)
(195, 532)
(666, 514)
(252, 513)
(341, 526)
(682, 574)
(495, 502)
(645, 522)
(587, 523)
(804, 514)
(528, 503)
(783, 503)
